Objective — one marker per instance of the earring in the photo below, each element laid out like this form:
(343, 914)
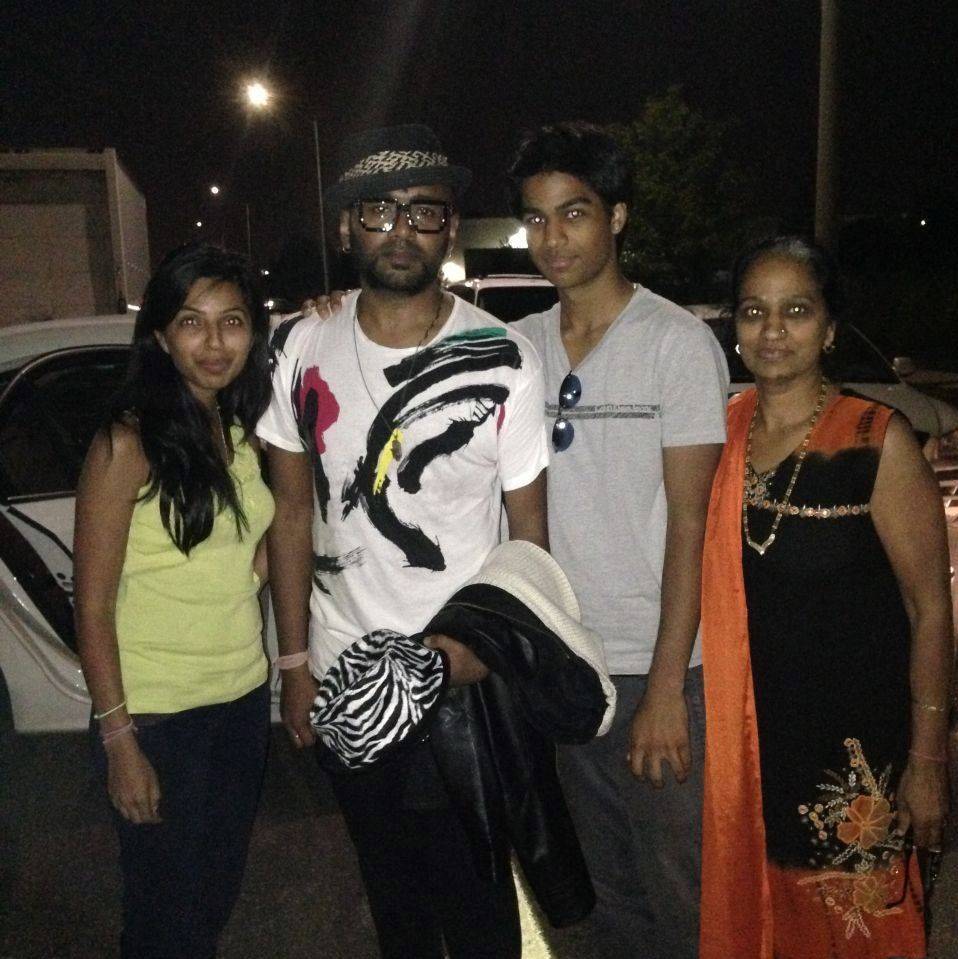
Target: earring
(738, 349)
(829, 348)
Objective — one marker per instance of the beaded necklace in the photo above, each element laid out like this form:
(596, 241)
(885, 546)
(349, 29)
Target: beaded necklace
(754, 482)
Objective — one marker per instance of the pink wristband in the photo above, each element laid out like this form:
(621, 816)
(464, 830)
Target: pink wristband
(130, 727)
(291, 660)
(928, 756)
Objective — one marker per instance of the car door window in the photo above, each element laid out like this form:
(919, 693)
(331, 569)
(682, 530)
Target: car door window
(49, 416)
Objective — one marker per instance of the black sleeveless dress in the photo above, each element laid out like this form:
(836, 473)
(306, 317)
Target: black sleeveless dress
(829, 641)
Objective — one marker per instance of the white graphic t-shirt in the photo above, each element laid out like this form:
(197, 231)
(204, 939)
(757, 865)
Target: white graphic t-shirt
(393, 538)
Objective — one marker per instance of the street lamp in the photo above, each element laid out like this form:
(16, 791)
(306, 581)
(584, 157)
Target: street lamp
(258, 96)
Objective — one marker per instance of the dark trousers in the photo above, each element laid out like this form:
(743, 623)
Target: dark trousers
(643, 845)
(181, 877)
(417, 868)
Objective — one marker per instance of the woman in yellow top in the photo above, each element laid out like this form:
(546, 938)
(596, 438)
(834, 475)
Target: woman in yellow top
(169, 558)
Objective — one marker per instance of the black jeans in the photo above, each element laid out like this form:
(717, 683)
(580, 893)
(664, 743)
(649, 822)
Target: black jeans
(417, 867)
(181, 877)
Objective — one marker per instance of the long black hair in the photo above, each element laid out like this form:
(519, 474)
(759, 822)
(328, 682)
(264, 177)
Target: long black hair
(186, 470)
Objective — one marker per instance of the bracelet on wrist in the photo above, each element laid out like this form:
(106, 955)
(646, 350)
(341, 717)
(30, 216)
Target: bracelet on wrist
(929, 707)
(110, 711)
(130, 727)
(928, 756)
(291, 660)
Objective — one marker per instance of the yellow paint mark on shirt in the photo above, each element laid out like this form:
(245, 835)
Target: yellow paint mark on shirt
(385, 459)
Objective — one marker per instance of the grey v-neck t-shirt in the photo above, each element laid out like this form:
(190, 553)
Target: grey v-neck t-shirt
(657, 378)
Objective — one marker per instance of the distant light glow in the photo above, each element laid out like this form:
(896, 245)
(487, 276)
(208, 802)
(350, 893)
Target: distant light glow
(133, 306)
(257, 95)
(269, 304)
(923, 222)
(265, 272)
(518, 240)
(452, 272)
(215, 190)
(199, 223)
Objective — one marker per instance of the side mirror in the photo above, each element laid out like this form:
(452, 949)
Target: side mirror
(904, 366)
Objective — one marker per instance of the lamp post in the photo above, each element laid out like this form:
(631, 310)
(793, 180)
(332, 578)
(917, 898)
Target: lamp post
(258, 96)
(826, 168)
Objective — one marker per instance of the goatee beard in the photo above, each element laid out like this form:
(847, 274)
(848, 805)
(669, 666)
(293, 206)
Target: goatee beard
(410, 282)
(415, 280)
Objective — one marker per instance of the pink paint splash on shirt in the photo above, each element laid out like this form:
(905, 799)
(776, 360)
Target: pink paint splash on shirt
(327, 406)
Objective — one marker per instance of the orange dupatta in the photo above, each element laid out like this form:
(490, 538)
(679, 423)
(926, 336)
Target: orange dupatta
(737, 882)
(736, 918)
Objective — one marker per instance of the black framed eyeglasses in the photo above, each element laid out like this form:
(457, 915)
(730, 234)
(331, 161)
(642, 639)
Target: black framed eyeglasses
(570, 392)
(380, 216)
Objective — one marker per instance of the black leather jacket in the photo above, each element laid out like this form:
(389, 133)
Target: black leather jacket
(494, 743)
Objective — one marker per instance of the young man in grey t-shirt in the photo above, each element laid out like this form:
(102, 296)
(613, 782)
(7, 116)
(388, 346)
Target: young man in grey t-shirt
(635, 398)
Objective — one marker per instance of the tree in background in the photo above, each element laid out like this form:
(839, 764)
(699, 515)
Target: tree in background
(691, 208)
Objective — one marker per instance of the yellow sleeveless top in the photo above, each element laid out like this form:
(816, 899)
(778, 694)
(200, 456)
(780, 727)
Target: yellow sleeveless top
(189, 627)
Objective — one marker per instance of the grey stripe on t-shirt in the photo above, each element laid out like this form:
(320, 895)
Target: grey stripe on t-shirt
(605, 411)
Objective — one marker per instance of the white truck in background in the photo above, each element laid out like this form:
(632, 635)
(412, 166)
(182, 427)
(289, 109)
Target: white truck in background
(73, 235)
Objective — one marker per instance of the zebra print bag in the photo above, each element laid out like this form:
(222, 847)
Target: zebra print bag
(377, 694)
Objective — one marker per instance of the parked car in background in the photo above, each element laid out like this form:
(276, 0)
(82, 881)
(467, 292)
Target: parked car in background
(508, 296)
(55, 379)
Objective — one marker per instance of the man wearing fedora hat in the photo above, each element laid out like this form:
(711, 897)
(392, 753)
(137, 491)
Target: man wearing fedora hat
(398, 429)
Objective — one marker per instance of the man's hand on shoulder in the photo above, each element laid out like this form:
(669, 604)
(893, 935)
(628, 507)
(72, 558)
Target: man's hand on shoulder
(465, 666)
(324, 306)
(660, 734)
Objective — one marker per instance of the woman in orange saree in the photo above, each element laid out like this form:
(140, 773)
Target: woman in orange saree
(827, 644)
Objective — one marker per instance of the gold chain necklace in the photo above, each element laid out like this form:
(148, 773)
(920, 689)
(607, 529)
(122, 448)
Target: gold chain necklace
(396, 436)
(752, 478)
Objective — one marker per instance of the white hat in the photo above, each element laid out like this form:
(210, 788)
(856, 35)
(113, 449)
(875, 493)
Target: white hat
(529, 573)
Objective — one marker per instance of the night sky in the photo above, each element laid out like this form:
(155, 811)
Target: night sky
(161, 82)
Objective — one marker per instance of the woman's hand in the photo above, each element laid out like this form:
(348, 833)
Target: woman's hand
(131, 781)
(297, 694)
(923, 801)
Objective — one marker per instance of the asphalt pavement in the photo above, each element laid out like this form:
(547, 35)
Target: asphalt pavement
(302, 897)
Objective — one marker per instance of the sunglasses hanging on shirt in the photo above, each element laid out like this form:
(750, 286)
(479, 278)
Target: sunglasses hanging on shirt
(570, 392)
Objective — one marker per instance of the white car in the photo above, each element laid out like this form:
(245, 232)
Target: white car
(508, 296)
(56, 378)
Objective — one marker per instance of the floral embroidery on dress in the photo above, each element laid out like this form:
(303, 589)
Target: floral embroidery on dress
(863, 871)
